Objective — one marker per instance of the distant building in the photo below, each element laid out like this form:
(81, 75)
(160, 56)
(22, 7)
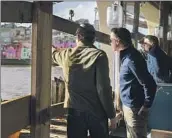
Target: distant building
(6, 35)
(8, 25)
(10, 32)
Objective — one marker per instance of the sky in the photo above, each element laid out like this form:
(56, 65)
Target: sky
(83, 10)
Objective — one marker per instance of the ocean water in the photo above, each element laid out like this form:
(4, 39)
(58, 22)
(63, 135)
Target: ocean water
(16, 80)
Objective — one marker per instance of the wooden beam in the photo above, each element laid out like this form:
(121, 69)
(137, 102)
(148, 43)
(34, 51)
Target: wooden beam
(16, 11)
(70, 27)
(41, 69)
(136, 22)
(67, 26)
(15, 115)
(160, 133)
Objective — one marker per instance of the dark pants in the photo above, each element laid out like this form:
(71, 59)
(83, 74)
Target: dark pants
(79, 123)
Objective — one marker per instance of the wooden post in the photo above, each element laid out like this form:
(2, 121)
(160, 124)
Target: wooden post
(53, 92)
(164, 9)
(136, 22)
(61, 91)
(125, 13)
(41, 69)
(165, 25)
(58, 91)
(161, 21)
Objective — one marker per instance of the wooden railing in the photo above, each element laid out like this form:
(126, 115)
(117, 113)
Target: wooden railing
(15, 114)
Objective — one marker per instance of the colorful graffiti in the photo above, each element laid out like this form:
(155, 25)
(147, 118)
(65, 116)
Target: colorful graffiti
(65, 44)
(23, 50)
(70, 44)
(15, 51)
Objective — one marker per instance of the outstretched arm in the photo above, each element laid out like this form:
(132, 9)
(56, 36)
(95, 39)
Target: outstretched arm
(58, 56)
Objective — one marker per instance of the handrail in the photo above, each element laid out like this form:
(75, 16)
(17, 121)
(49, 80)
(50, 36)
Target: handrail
(16, 114)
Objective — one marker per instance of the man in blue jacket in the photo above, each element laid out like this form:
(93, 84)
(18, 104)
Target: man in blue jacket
(137, 87)
(158, 63)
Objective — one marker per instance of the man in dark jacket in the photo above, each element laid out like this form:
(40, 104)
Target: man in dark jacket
(88, 95)
(137, 87)
(158, 62)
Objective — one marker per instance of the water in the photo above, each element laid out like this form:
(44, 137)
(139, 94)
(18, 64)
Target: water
(16, 80)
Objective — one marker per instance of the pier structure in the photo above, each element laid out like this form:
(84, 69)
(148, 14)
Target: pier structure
(36, 110)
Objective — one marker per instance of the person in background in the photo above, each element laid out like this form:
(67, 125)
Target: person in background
(137, 87)
(158, 62)
(88, 95)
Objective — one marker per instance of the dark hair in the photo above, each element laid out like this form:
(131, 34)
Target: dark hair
(141, 41)
(153, 39)
(123, 35)
(87, 33)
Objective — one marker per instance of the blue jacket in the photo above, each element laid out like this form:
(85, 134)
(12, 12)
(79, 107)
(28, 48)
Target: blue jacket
(137, 87)
(158, 64)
